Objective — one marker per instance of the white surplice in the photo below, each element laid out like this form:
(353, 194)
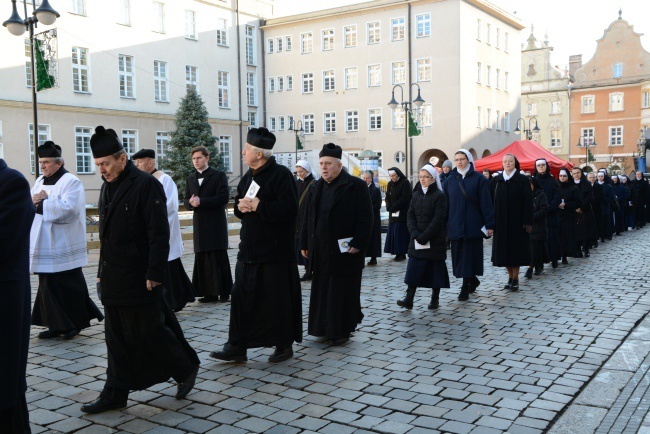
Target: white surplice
(171, 192)
(58, 236)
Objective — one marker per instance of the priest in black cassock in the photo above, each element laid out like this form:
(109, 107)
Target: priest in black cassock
(145, 344)
(334, 238)
(16, 215)
(207, 194)
(304, 181)
(266, 308)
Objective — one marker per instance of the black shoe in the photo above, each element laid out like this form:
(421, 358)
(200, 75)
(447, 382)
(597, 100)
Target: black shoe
(230, 354)
(305, 277)
(579, 255)
(464, 292)
(508, 285)
(281, 354)
(224, 298)
(48, 334)
(514, 286)
(529, 273)
(407, 301)
(554, 264)
(587, 254)
(70, 334)
(340, 341)
(473, 285)
(101, 405)
(399, 258)
(435, 299)
(538, 271)
(373, 261)
(564, 261)
(209, 299)
(186, 386)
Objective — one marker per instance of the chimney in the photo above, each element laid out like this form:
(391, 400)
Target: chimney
(575, 63)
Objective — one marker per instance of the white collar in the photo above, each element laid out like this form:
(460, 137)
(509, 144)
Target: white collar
(507, 176)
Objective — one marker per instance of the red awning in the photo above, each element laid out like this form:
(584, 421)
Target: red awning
(526, 151)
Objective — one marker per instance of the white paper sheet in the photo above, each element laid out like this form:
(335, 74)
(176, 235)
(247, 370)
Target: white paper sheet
(344, 244)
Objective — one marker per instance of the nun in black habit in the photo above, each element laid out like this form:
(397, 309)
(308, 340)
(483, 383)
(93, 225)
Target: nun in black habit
(551, 190)
(569, 202)
(586, 221)
(398, 197)
(374, 248)
(305, 180)
(513, 216)
(538, 236)
(621, 193)
(597, 206)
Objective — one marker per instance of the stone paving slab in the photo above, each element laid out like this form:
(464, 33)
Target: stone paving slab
(502, 362)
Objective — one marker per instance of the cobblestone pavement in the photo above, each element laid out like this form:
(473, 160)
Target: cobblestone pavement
(502, 362)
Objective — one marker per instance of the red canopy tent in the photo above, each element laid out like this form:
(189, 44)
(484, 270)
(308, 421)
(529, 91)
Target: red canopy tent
(526, 151)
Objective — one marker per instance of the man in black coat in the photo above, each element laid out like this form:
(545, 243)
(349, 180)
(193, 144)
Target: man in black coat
(16, 216)
(206, 193)
(337, 233)
(266, 308)
(145, 343)
(639, 188)
(374, 247)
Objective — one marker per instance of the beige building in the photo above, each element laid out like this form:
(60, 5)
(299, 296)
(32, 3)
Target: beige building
(125, 64)
(545, 91)
(333, 71)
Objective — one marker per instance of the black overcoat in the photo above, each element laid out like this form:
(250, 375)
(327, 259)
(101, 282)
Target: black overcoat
(586, 221)
(513, 209)
(302, 187)
(16, 216)
(209, 219)
(352, 212)
(597, 207)
(570, 194)
(540, 215)
(374, 247)
(551, 188)
(398, 197)
(427, 221)
(639, 188)
(134, 235)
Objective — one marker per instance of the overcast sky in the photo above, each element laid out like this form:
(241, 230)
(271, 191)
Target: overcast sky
(573, 26)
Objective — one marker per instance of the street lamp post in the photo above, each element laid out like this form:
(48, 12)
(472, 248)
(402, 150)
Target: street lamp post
(528, 132)
(586, 142)
(16, 25)
(296, 127)
(406, 106)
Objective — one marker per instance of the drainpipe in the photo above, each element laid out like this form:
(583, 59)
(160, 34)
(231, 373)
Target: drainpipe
(263, 93)
(408, 62)
(239, 81)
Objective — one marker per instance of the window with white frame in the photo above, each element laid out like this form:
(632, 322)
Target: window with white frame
(616, 136)
(479, 72)
(280, 83)
(43, 136)
(498, 39)
(398, 117)
(478, 117)
(556, 108)
(130, 142)
(373, 32)
(28, 63)
(488, 30)
(588, 135)
(478, 29)
(252, 119)
(306, 42)
(222, 32)
(280, 123)
(616, 102)
(328, 40)
(250, 45)
(350, 36)
(223, 89)
(505, 81)
(125, 12)
(374, 75)
(351, 120)
(251, 100)
(269, 45)
(423, 25)
(272, 123)
(398, 72)
(126, 75)
(497, 78)
(328, 80)
(488, 73)
(289, 83)
(488, 118)
(158, 17)
(225, 152)
(505, 42)
(160, 81)
(531, 109)
(287, 43)
(398, 29)
(278, 44)
(78, 7)
(290, 123)
(424, 69)
(84, 156)
(162, 146)
(271, 84)
(588, 104)
(308, 82)
(191, 78)
(556, 138)
(329, 120)
(80, 72)
(426, 115)
(308, 123)
(351, 78)
(497, 120)
(645, 99)
(506, 122)
(617, 70)
(190, 25)
(374, 119)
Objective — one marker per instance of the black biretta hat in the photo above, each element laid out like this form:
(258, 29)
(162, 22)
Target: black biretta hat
(104, 142)
(49, 149)
(260, 138)
(331, 150)
(144, 153)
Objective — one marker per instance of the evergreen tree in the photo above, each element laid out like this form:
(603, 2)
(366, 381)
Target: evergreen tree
(192, 129)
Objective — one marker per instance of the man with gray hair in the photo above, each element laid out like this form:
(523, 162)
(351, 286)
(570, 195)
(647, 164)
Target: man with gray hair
(58, 249)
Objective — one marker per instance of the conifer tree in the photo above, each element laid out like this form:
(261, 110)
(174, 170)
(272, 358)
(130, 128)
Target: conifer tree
(192, 129)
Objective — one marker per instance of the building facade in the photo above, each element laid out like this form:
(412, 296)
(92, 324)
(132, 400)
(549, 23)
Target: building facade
(610, 101)
(545, 91)
(126, 64)
(333, 73)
